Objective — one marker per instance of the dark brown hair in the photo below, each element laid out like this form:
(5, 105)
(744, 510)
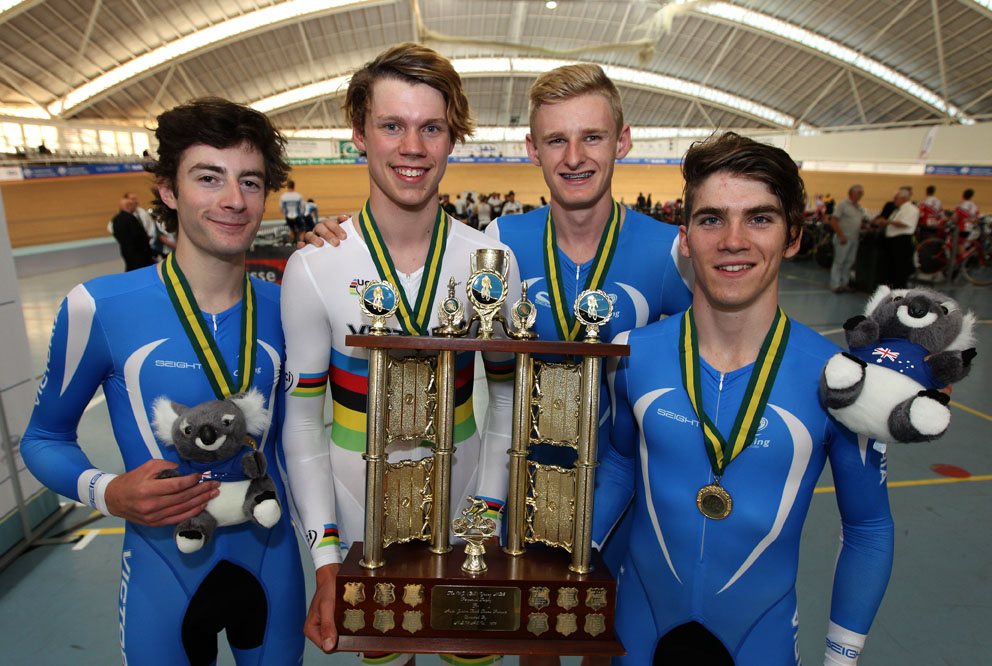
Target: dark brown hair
(746, 157)
(218, 123)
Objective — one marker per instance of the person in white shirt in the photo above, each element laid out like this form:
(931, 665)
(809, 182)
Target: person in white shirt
(899, 229)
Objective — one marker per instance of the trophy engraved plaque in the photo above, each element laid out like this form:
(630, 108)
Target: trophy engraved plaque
(403, 590)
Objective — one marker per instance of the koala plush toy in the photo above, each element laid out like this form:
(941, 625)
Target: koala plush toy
(908, 344)
(213, 439)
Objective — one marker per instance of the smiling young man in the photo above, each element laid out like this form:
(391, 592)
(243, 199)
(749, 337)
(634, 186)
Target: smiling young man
(155, 332)
(407, 109)
(584, 239)
(720, 437)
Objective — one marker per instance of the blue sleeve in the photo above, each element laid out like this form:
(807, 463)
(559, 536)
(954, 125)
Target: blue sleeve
(78, 361)
(865, 560)
(616, 474)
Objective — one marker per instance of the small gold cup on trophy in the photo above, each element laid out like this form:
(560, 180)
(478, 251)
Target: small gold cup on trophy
(486, 287)
(530, 601)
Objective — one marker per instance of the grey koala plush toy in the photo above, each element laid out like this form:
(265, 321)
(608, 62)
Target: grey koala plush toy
(213, 438)
(908, 344)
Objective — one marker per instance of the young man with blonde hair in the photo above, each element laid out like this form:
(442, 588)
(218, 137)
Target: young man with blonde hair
(407, 109)
(584, 239)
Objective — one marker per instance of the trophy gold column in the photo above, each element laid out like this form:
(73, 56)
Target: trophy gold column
(400, 597)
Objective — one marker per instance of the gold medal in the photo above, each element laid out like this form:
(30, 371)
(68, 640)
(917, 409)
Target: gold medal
(714, 502)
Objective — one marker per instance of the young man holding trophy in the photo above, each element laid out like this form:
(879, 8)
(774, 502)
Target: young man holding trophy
(584, 239)
(720, 437)
(407, 109)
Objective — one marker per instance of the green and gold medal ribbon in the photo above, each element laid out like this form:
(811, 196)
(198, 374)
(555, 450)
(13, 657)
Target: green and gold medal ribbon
(568, 327)
(203, 341)
(413, 321)
(721, 452)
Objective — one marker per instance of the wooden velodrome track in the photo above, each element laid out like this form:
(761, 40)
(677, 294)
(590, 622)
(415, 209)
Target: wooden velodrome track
(65, 209)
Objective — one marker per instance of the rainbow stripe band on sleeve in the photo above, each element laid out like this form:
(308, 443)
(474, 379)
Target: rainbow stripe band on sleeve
(493, 507)
(310, 385)
(380, 657)
(330, 536)
(472, 659)
(500, 371)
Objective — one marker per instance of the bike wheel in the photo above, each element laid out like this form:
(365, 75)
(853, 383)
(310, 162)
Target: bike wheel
(931, 257)
(978, 268)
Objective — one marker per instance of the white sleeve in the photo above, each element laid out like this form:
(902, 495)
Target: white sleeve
(492, 230)
(494, 460)
(308, 351)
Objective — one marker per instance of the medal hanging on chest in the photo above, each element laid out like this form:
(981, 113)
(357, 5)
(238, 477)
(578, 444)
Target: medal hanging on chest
(221, 381)
(565, 322)
(713, 500)
(413, 320)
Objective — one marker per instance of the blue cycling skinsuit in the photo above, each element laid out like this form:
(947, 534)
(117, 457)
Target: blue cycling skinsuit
(647, 278)
(121, 332)
(736, 576)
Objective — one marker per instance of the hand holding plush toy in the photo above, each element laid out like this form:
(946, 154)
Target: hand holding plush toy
(908, 344)
(213, 439)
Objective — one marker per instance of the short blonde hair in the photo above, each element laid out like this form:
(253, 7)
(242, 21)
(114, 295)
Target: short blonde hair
(415, 64)
(564, 83)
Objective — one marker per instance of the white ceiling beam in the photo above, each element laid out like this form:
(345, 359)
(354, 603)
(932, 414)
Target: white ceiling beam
(94, 12)
(156, 101)
(940, 51)
(812, 42)
(857, 97)
(221, 33)
(983, 7)
(11, 8)
(504, 67)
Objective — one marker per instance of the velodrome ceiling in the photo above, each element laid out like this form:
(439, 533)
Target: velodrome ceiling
(757, 64)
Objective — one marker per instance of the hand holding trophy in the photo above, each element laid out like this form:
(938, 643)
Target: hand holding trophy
(513, 600)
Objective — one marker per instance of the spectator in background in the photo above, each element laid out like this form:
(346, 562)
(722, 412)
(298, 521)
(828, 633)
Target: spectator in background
(966, 213)
(847, 222)
(130, 235)
(459, 205)
(887, 210)
(931, 214)
(900, 227)
(310, 216)
(160, 242)
(496, 203)
(447, 206)
(470, 217)
(483, 213)
(511, 206)
(828, 205)
(291, 205)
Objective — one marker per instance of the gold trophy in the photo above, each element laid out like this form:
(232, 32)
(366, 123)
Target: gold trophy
(510, 600)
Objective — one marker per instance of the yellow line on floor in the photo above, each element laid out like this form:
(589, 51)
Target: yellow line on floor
(972, 411)
(101, 530)
(917, 482)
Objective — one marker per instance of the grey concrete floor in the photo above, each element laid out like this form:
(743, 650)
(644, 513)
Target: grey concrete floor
(58, 603)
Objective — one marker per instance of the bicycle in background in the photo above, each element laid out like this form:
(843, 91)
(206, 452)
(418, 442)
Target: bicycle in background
(947, 254)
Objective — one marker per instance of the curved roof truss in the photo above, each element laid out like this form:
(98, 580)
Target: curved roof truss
(291, 11)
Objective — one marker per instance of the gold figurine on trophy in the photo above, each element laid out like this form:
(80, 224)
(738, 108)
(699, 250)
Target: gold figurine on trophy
(523, 601)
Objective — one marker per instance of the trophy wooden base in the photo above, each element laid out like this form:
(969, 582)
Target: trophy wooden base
(420, 602)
